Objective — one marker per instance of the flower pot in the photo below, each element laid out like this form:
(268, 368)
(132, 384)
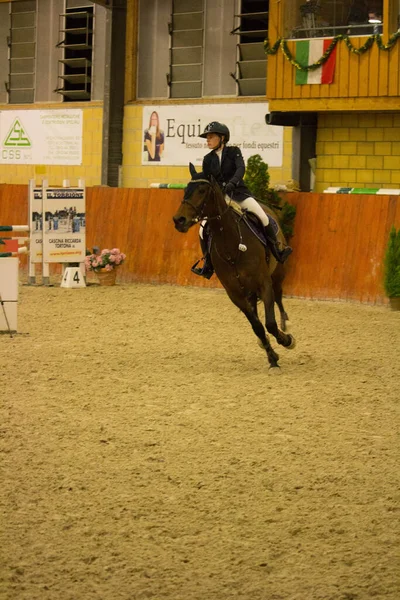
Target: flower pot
(394, 302)
(106, 277)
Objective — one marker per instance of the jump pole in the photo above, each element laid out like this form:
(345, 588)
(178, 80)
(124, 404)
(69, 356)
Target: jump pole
(22, 250)
(169, 186)
(14, 228)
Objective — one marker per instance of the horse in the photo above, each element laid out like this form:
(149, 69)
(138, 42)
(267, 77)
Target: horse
(242, 263)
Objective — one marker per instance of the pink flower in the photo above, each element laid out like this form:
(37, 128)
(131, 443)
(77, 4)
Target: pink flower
(106, 258)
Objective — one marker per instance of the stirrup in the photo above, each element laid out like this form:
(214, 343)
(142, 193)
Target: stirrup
(204, 271)
(282, 255)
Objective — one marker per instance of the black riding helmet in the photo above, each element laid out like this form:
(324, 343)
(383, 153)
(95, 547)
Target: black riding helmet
(215, 127)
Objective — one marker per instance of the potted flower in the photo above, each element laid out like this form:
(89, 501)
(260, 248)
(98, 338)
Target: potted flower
(391, 279)
(104, 263)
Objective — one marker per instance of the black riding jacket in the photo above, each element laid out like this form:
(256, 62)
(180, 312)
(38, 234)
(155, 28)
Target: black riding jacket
(231, 169)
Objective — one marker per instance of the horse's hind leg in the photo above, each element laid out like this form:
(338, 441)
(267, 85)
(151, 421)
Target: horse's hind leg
(253, 299)
(282, 311)
(277, 280)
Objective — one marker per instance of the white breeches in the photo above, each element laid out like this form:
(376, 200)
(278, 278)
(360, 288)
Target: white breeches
(251, 205)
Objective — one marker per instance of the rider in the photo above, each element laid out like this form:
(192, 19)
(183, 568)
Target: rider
(226, 164)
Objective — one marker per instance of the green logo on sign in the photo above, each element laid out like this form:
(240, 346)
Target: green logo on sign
(17, 136)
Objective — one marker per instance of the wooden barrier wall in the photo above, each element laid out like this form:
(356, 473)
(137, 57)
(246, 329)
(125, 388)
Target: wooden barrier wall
(339, 240)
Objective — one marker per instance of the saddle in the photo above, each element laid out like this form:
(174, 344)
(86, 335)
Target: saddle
(257, 228)
(252, 222)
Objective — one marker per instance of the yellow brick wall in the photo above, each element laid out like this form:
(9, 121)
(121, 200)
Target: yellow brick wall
(358, 150)
(90, 170)
(136, 175)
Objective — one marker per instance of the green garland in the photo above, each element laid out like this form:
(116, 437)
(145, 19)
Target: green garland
(282, 43)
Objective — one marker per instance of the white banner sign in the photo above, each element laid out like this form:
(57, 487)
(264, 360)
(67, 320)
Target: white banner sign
(36, 224)
(64, 225)
(41, 137)
(171, 133)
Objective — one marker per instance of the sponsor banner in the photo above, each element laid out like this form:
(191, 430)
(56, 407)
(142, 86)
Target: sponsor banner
(171, 133)
(64, 225)
(44, 137)
(36, 224)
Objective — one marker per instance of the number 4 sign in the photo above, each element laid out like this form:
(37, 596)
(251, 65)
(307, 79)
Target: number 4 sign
(73, 278)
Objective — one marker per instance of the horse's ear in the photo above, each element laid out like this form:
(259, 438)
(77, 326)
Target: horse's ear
(213, 180)
(192, 170)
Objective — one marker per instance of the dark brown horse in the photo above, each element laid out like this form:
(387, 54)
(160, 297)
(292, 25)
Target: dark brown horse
(242, 263)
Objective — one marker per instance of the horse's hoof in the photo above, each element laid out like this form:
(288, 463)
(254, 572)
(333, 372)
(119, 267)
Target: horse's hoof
(292, 343)
(275, 370)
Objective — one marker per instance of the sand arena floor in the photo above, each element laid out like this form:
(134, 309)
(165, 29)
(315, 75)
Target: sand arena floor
(147, 452)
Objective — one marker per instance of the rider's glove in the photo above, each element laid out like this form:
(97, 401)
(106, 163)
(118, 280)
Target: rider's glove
(229, 188)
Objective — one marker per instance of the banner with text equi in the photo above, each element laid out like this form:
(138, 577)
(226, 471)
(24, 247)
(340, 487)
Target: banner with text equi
(171, 133)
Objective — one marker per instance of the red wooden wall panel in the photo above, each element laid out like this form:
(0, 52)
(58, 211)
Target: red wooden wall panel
(339, 240)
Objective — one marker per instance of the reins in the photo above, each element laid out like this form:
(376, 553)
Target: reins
(199, 213)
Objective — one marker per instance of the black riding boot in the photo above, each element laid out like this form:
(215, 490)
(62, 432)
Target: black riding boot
(273, 244)
(207, 270)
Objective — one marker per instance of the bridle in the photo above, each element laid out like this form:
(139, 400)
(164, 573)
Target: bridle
(199, 210)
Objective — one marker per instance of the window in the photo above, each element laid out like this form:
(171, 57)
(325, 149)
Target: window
(22, 51)
(327, 18)
(252, 29)
(186, 65)
(201, 48)
(76, 39)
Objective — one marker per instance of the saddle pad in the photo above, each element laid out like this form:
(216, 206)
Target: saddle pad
(255, 225)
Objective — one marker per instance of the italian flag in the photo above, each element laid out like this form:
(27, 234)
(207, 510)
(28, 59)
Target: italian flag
(309, 52)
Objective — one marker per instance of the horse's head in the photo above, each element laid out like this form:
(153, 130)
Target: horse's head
(193, 205)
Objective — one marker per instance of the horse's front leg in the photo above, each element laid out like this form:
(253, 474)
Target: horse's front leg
(249, 309)
(284, 339)
(263, 340)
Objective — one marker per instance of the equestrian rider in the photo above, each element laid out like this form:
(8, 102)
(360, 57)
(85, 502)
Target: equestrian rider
(226, 165)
